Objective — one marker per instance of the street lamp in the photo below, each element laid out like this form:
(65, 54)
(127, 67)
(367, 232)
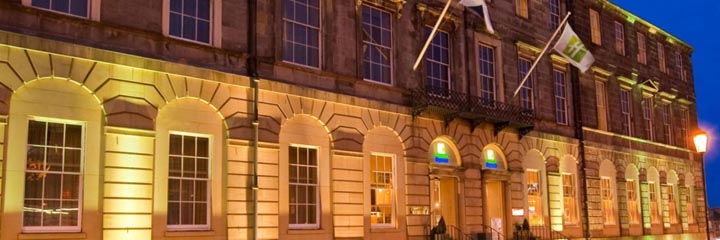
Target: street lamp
(701, 139)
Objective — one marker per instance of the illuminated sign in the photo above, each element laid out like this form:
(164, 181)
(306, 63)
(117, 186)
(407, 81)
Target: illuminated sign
(518, 212)
(441, 155)
(490, 161)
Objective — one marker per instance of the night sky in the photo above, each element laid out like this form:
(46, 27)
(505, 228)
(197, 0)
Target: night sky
(695, 22)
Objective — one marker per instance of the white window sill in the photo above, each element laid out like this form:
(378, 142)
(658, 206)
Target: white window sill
(80, 235)
(202, 233)
(379, 229)
(306, 231)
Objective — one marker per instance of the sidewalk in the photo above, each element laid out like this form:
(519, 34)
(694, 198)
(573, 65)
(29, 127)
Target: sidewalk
(686, 236)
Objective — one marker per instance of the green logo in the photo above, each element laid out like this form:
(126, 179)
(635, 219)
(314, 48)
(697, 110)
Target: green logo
(575, 49)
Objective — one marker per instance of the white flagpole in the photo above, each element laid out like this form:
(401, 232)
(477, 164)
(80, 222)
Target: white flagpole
(537, 60)
(432, 35)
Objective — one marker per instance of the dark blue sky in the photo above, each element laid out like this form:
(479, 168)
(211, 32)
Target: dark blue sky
(695, 22)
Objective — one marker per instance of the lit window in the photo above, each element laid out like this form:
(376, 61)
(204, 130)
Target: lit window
(689, 206)
(53, 176)
(569, 213)
(654, 210)
(647, 107)
(619, 38)
(522, 8)
(561, 113)
(607, 201)
(377, 45)
(78, 8)
(632, 201)
(601, 102)
(642, 49)
(382, 203)
(534, 193)
(437, 63)
(595, 27)
(626, 112)
(661, 57)
(554, 14)
(672, 208)
(304, 188)
(526, 92)
(301, 38)
(487, 72)
(190, 20)
(667, 128)
(189, 182)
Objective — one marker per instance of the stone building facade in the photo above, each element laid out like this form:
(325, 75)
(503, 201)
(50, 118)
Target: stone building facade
(135, 120)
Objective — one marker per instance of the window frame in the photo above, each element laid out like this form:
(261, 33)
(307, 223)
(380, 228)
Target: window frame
(394, 210)
(484, 90)
(540, 217)
(680, 63)
(522, 8)
(595, 28)
(632, 196)
(284, 20)
(427, 61)
(318, 194)
(672, 204)
(60, 229)
(648, 115)
(626, 111)
(619, 38)
(689, 206)
(564, 118)
(93, 11)
(390, 48)
(208, 224)
(610, 196)
(655, 216)
(661, 57)
(684, 121)
(529, 85)
(555, 13)
(573, 198)
(667, 123)
(211, 23)
(601, 90)
(642, 48)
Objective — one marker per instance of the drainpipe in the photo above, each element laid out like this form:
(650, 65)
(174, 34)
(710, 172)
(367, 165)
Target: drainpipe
(577, 108)
(254, 80)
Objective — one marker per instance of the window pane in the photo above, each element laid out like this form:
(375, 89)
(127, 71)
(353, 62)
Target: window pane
(200, 213)
(173, 189)
(173, 213)
(187, 213)
(190, 7)
(33, 187)
(202, 168)
(32, 215)
(188, 146)
(79, 7)
(188, 167)
(72, 160)
(55, 134)
(52, 186)
(51, 216)
(60, 5)
(70, 212)
(188, 28)
(176, 5)
(41, 3)
(204, 9)
(203, 31)
(36, 132)
(70, 186)
(175, 25)
(175, 166)
(201, 191)
(187, 192)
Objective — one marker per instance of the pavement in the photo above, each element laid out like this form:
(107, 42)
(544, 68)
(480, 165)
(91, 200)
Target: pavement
(686, 236)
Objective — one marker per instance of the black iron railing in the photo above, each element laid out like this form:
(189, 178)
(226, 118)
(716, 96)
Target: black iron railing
(451, 233)
(470, 107)
(539, 233)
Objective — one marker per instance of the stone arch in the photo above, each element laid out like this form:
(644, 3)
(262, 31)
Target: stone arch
(497, 153)
(449, 153)
(534, 165)
(653, 175)
(672, 178)
(568, 164)
(306, 133)
(56, 101)
(380, 145)
(194, 120)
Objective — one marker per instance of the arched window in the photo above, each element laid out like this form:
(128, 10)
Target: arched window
(690, 198)
(443, 151)
(493, 158)
(653, 178)
(633, 194)
(607, 192)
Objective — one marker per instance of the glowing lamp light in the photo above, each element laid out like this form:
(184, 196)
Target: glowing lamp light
(437, 204)
(701, 140)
